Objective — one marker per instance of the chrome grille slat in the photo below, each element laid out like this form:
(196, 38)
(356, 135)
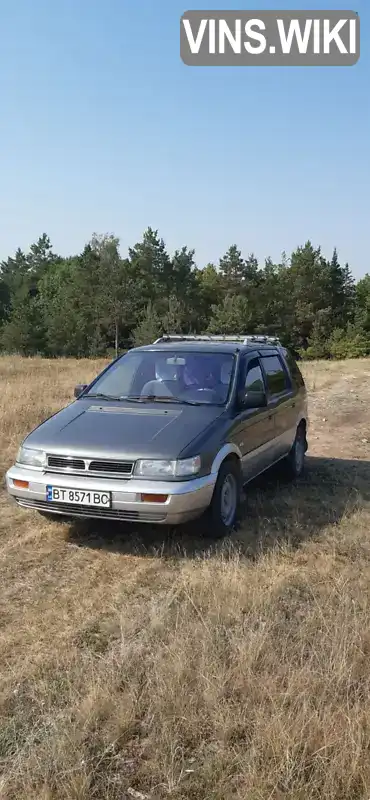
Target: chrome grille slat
(58, 462)
(123, 467)
(94, 467)
(71, 510)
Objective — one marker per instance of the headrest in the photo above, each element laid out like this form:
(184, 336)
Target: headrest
(166, 372)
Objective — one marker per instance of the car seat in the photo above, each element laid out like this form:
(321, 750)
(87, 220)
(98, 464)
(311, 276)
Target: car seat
(166, 380)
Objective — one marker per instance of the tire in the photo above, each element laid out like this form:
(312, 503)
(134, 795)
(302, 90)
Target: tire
(295, 461)
(222, 513)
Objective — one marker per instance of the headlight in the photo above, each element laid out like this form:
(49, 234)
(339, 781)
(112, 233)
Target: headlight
(153, 468)
(188, 466)
(31, 458)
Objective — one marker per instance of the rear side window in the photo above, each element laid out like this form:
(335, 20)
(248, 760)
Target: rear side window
(276, 377)
(294, 369)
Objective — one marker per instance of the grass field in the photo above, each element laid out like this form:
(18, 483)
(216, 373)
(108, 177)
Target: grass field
(134, 664)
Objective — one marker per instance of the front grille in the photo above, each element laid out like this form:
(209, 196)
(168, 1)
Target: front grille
(122, 467)
(97, 467)
(70, 510)
(66, 463)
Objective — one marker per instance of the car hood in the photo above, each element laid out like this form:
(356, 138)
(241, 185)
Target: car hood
(93, 429)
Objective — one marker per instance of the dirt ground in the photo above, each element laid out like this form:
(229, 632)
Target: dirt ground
(134, 663)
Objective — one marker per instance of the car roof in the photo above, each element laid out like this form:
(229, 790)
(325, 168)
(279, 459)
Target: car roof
(201, 346)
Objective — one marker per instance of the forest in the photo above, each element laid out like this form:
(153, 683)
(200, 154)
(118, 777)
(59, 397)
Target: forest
(101, 303)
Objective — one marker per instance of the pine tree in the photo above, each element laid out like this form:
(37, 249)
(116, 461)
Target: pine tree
(24, 332)
(308, 282)
(233, 316)
(151, 267)
(118, 299)
(149, 328)
(319, 341)
(251, 276)
(232, 268)
(340, 291)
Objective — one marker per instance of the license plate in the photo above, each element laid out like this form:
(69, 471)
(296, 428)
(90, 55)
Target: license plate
(78, 497)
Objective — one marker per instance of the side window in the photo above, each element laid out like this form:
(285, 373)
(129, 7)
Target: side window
(277, 381)
(254, 377)
(294, 369)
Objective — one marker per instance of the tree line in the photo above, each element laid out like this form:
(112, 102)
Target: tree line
(98, 302)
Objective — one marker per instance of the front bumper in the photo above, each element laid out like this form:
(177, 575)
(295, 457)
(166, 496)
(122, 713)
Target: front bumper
(186, 499)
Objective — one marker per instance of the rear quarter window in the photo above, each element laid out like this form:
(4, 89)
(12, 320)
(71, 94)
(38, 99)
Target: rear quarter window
(294, 370)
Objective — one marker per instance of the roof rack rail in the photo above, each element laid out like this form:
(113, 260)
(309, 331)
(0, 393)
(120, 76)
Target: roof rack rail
(244, 338)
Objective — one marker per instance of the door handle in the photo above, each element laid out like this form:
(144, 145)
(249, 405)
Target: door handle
(293, 405)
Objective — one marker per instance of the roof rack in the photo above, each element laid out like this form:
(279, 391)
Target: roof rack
(244, 338)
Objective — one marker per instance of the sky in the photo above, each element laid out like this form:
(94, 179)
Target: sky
(104, 129)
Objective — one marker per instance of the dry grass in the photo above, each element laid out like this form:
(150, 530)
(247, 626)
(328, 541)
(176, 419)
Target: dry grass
(134, 662)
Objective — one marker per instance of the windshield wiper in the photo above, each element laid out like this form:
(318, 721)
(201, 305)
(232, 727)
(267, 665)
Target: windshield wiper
(156, 398)
(131, 397)
(101, 396)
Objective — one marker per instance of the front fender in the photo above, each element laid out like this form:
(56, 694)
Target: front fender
(227, 450)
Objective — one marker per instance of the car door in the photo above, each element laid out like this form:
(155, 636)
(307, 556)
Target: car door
(281, 403)
(254, 427)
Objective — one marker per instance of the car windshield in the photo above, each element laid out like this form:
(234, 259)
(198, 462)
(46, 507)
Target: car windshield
(159, 376)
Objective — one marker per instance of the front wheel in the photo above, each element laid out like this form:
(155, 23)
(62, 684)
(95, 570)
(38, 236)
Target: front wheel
(221, 516)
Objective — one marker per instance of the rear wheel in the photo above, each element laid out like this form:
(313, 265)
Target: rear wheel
(222, 513)
(296, 458)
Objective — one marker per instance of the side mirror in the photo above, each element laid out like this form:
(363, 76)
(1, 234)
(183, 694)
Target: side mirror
(252, 400)
(79, 389)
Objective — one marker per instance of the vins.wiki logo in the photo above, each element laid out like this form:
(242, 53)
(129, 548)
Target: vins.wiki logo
(295, 38)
